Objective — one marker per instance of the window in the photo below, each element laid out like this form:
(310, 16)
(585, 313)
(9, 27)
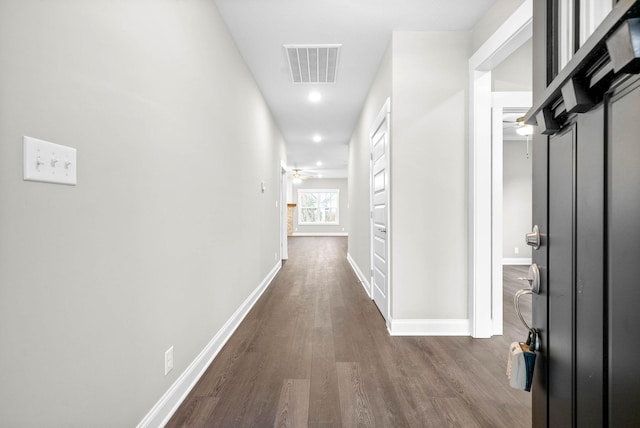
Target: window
(566, 32)
(583, 15)
(592, 13)
(318, 206)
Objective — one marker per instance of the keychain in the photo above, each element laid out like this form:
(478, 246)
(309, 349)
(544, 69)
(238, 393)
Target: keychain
(521, 361)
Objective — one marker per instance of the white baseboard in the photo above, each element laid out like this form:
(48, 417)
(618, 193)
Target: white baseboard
(160, 414)
(498, 328)
(320, 234)
(516, 261)
(360, 275)
(430, 327)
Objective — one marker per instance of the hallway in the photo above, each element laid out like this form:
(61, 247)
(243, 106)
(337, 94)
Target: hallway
(314, 352)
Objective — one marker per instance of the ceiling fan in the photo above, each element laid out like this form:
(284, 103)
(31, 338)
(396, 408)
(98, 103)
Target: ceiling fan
(521, 128)
(297, 176)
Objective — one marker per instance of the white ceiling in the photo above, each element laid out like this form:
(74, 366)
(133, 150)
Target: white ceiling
(363, 27)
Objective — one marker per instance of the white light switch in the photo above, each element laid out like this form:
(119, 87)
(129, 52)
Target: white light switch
(49, 162)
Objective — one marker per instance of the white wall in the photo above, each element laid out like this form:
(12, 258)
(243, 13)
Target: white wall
(428, 175)
(159, 243)
(429, 168)
(516, 199)
(515, 73)
(491, 20)
(343, 210)
(359, 193)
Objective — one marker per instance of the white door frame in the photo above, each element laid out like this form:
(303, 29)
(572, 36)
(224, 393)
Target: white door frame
(508, 37)
(284, 212)
(385, 114)
(500, 102)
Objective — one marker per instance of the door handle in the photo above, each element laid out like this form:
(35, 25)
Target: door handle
(534, 278)
(535, 340)
(533, 238)
(516, 303)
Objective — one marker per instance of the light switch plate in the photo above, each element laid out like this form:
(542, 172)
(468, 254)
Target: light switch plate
(49, 162)
(168, 361)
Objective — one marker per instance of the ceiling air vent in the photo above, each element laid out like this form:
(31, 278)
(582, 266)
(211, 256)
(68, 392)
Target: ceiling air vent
(313, 63)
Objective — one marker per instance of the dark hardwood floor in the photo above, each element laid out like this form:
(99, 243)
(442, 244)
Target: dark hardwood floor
(314, 352)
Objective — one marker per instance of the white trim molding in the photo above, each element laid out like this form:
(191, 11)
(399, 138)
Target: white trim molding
(430, 327)
(363, 279)
(516, 261)
(320, 234)
(160, 414)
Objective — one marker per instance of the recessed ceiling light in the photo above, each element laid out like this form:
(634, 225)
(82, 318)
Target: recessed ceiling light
(315, 96)
(319, 175)
(319, 163)
(317, 138)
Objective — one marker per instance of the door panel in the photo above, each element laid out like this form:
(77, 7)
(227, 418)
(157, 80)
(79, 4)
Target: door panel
(623, 256)
(560, 278)
(540, 156)
(590, 268)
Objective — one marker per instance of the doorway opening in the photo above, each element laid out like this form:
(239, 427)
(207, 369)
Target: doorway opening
(511, 193)
(483, 262)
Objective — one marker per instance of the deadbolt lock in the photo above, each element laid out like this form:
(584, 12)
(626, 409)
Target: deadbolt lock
(533, 238)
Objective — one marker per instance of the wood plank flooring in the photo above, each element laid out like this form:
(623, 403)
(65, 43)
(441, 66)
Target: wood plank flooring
(314, 352)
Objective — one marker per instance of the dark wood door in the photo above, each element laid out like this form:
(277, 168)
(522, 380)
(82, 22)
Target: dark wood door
(623, 253)
(586, 168)
(560, 296)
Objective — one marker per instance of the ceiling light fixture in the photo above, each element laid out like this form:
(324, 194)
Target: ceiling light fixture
(315, 96)
(525, 130)
(317, 138)
(522, 128)
(319, 163)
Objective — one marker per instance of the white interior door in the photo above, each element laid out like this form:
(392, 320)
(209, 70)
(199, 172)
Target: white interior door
(284, 252)
(380, 212)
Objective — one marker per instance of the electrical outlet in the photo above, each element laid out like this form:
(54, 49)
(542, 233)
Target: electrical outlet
(168, 361)
(516, 250)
